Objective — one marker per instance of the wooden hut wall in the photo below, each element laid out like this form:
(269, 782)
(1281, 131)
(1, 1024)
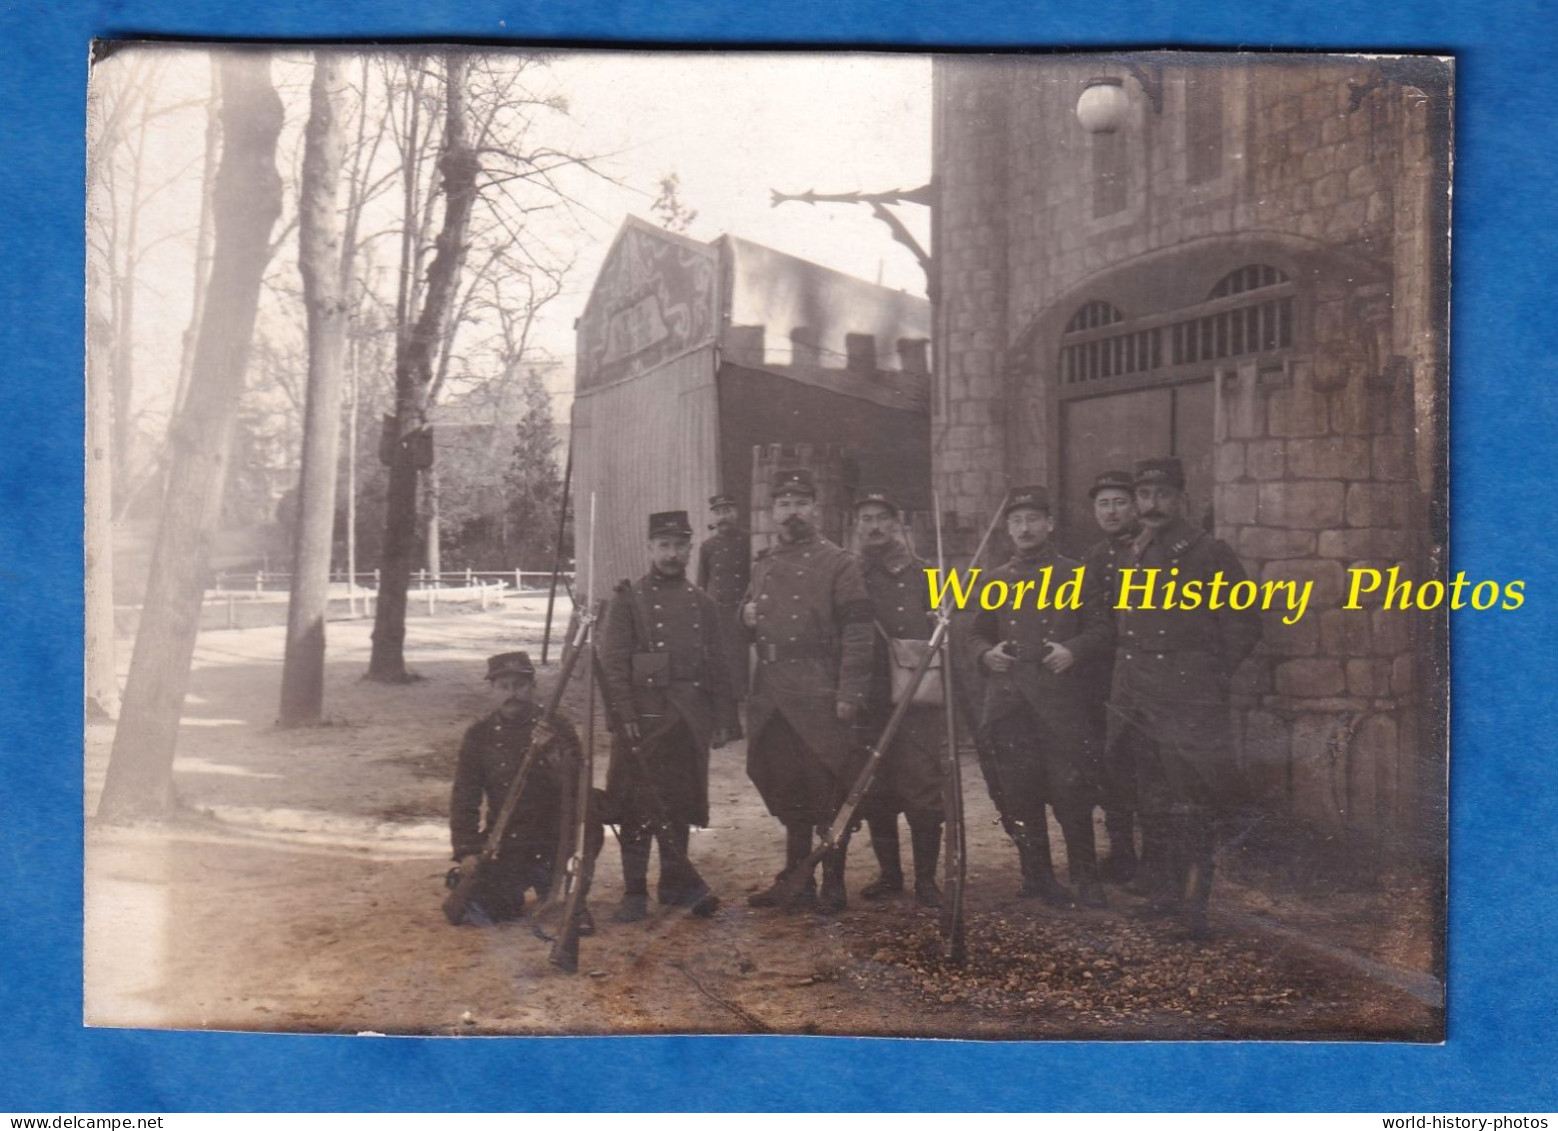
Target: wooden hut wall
(645, 444)
(890, 447)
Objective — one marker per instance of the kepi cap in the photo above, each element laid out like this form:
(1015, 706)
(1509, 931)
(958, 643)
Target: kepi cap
(1036, 497)
(669, 524)
(1163, 470)
(721, 501)
(878, 497)
(1112, 481)
(510, 663)
(794, 481)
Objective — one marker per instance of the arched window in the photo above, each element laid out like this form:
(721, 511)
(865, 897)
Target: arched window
(1249, 278)
(1249, 311)
(1091, 315)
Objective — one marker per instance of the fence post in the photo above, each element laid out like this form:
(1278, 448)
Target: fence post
(519, 581)
(431, 599)
(259, 581)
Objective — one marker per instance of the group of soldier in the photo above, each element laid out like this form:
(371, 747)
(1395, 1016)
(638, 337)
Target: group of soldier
(1076, 708)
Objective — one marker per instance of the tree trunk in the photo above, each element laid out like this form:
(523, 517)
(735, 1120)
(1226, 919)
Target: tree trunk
(413, 374)
(102, 681)
(202, 241)
(435, 549)
(246, 204)
(319, 262)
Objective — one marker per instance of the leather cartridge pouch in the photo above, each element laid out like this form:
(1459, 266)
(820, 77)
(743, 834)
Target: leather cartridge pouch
(904, 657)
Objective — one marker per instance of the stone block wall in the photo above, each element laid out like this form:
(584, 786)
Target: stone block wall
(1316, 462)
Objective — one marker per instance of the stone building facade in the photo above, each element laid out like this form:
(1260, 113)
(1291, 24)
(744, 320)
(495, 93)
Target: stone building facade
(1242, 274)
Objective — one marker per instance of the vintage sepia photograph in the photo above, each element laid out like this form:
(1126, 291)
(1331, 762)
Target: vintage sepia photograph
(860, 544)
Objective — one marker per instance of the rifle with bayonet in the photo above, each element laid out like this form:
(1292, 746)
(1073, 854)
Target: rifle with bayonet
(471, 868)
(788, 887)
(576, 878)
(953, 940)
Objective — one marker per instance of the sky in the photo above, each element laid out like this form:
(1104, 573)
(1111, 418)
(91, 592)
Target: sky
(731, 127)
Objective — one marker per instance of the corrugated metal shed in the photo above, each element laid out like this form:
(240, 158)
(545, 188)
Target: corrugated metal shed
(692, 355)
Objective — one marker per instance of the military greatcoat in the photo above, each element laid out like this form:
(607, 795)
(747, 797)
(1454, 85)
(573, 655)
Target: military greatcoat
(490, 756)
(663, 664)
(1040, 723)
(1102, 565)
(724, 570)
(910, 777)
(813, 640)
(1172, 673)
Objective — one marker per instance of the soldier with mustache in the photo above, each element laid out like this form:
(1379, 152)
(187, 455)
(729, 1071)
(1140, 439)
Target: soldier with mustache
(810, 617)
(1169, 704)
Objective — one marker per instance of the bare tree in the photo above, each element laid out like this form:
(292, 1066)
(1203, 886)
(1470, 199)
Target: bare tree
(411, 447)
(319, 260)
(246, 202)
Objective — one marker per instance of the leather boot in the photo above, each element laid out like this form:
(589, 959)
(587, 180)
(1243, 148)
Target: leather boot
(1198, 876)
(797, 846)
(1082, 858)
(1169, 892)
(1119, 867)
(925, 836)
(635, 842)
(671, 891)
(1038, 870)
(833, 898)
(884, 843)
(1154, 880)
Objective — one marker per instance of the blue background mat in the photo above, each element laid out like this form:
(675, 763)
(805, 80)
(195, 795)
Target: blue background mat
(1503, 1000)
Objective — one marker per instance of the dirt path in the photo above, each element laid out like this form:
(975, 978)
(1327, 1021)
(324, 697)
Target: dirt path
(302, 892)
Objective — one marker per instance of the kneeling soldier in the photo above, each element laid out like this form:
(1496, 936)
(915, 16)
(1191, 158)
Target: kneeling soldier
(667, 685)
(909, 780)
(1039, 728)
(490, 756)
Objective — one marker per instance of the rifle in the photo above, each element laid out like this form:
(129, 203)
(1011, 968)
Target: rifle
(791, 882)
(456, 901)
(565, 947)
(660, 817)
(953, 942)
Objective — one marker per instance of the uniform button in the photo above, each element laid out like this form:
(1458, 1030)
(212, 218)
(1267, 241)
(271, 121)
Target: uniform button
(659, 624)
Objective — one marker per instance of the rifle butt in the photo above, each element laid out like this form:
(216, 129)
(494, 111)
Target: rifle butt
(792, 881)
(565, 947)
(459, 898)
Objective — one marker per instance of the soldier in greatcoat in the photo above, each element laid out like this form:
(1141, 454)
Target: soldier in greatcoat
(1114, 509)
(810, 618)
(1040, 732)
(910, 777)
(667, 684)
(491, 754)
(1169, 704)
(724, 570)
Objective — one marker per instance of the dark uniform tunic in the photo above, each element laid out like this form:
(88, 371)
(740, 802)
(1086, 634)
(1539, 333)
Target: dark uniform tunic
(1039, 727)
(1102, 563)
(909, 779)
(1172, 672)
(814, 647)
(683, 698)
(724, 570)
(490, 756)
